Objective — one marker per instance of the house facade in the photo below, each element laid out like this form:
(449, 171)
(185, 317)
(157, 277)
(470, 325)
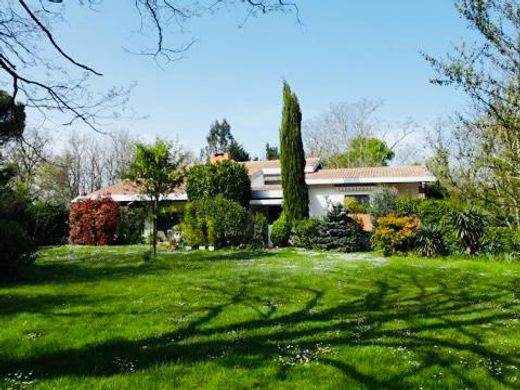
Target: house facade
(330, 186)
(326, 186)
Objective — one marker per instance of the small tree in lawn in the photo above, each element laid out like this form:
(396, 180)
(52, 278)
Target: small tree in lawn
(339, 231)
(159, 169)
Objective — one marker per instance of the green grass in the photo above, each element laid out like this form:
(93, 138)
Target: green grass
(86, 318)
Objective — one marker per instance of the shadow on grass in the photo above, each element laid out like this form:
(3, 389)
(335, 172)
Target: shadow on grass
(41, 304)
(437, 322)
(225, 255)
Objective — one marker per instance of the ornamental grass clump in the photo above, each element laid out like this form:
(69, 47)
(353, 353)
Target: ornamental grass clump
(429, 241)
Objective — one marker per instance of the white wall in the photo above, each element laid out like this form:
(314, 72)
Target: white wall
(321, 196)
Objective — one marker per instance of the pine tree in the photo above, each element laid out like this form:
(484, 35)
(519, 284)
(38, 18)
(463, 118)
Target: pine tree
(292, 158)
(339, 231)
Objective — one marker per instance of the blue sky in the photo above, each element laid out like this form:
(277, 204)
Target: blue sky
(344, 51)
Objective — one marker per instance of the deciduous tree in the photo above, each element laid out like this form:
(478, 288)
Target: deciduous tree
(158, 169)
(362, 152)
(480, 158)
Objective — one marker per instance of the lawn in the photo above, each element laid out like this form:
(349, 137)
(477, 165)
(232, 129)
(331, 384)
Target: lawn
(103, 318)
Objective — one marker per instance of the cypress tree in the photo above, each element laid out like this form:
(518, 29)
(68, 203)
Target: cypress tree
(292, 159)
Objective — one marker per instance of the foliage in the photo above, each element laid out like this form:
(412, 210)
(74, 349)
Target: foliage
(406, 205)
(429, 241)
(305, 232)
(48, 223)
(259, 228)
(238, 153)
(339, 231)
(93, 221)
(130, 228)
(220, 140)
(354, 206)
(363, 151)
(159, 169)
(16, 245)
(469, 227)
(271, 152)
(393, 233)
(383, 201)
(226, 178)
(16, 248)
(292, 159)
(12, 118)
(280, 231)
(477, 159)
(218, 222)
(498, 240)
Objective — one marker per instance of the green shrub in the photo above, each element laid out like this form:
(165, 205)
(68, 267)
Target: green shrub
(218, 222)
(226, 178)
(130, 228)
(498, 240)
(280, 231)
(383, 201)
(406, 205)
(48, 223)
(469, 228)
(16, 248)
(259, 230)
(339, 231)
(438, 212)
(354, 206)
(429, 241)
(393, 233)
(304, 233)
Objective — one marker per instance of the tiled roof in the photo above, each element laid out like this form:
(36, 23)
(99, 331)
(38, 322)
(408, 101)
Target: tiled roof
(125, 187)
(254, 166)
(379, 172)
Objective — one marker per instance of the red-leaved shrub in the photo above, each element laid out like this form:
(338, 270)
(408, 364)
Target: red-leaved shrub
(93, 221)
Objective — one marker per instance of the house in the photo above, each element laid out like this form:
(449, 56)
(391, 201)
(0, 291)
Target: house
(330, 186)
(326, 186)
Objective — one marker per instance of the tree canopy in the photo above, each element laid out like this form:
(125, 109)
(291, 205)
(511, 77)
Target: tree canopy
(226, 178)
(271, 152)
(478, 160)
(362, 152)
(220, 140)
(159, 169)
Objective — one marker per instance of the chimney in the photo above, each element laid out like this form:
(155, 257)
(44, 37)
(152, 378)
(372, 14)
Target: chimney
(221, 156)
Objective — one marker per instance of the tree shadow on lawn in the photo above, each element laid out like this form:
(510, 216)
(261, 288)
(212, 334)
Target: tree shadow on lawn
(232, 255)
(57, 273)
(42, 303)
(437, 322)
(85, 268)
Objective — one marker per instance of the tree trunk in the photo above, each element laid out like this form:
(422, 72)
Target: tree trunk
(154, 228)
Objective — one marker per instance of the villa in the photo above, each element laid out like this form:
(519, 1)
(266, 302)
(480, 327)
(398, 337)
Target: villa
(326, 186)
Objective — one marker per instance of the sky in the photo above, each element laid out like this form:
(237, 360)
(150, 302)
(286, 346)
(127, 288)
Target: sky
(343, 51)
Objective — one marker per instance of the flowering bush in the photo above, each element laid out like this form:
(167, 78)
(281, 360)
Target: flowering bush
(393, 233)
(93, 221)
